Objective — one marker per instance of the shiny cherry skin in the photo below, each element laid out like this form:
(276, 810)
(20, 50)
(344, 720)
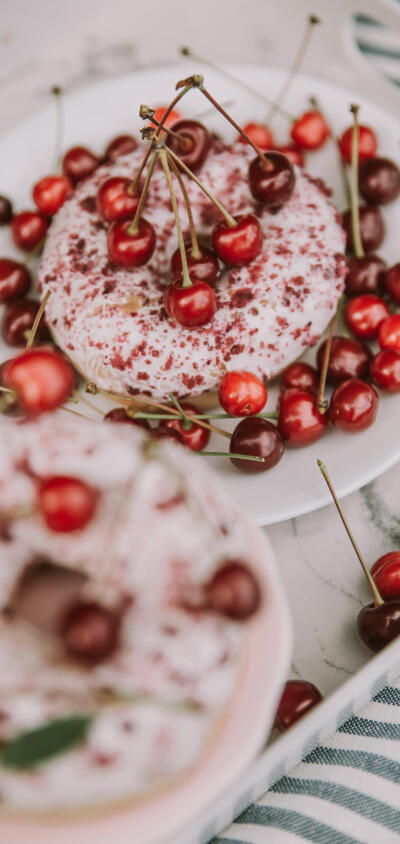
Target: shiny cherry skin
(379, 181)
(238, 245)
(28, 229)
(259, 438)
(364, 314)
(310, 131)
(50, 193)
(242, 393)
(293, 153)
(377, 626)
(389, 332)
(66, 504)
(386, 574)
(192, 306)
(353, 406)
(161, 433)
(15, 280)
(367, 143)
(392, 283)
(300, 422)
(385, 370)
(172, 118)
(365, 275)
(42, 379)
(130, 250)
(298, 697)
(90, 632)
(79, 163)
(6, 210)
(372, 228)
(233, 591)
(259, 134)
(18, 318)
(272, 183)
(117, 198)
(348, 359)
(205, 268)
(195, 437)
(120, 416)
(300, 376)
(195, 144)
(121, 145)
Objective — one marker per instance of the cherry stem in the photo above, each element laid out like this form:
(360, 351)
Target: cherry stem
(377, 596)
(7, 390)
(187, 424)
(251, 457)
(160, 126)
(186, 280)
(354, 197)
(57, 94)
(271, 415)
(236, 126)
(312, 20)
(134, 226)
(89, 404)
(35, 326)
(147, 113)
(322, 404)
(231, 222)
(195, 251)
(315, 104)
(33, 253)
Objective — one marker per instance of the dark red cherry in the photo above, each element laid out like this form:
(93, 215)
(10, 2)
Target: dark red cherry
(78, 163)
(271, 183)
(293, 153)
(379, 625)
(348, 359)
(6, 211)
(367, 143)
(194, 437)
(257, 437)
(392, 283)
(389, 332)
(364, 314)
(193, 143)
(131, 250)
(385, 370)
(386, 574)
(310, 131)
(238, 245)
(365, 275)
(242, 393)
(116, 198)
(120, 416)
(300, 376)
(50, 193)
(66, 504)
(204, 268)
(90, 632)
(300, 422)
(28, 229)
(42, 379)
(15, 280)
(18, 319)
(192, 306)
(161, 433)
(233, 591)
(259, 134)
(298, 697)
(121, 145)
(353, 406)
(379, 181)
(372, 228)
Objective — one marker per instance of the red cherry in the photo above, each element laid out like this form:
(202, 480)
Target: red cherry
(367, 143)
(386, 574)
(257, 437)
(195, 143)
(372, 228)
(310, 131)
(385, 370)
(272, 183)
(120, 416)
(171, 119)
(28, 228)
(392, 283)
(242, 393)
(42, 379)
(15, 280)
(121, 145)
(364, 314)
(300, 422)
(379, 625)
(6, 211)
(298, 697)
(131, 250)
(293, 153)
(379, 181)
(78, 163)
(18, 318)
(240, 244)
(90, 632)
(192, 306)
(353, 406)
(117, 198)
(66, 504)
(300, 376)
(348, 359)
(365, 275)
(50, 193)
(205, 268)
(195, 437)
(389, 332)
(259, 134)
(233, 591)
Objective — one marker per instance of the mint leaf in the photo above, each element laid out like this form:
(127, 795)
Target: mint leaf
(31, 748)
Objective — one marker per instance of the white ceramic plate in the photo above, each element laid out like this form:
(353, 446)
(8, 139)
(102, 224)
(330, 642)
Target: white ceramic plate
(95, 114)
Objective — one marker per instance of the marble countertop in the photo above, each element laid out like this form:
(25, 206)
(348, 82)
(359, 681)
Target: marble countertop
(49, 42)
